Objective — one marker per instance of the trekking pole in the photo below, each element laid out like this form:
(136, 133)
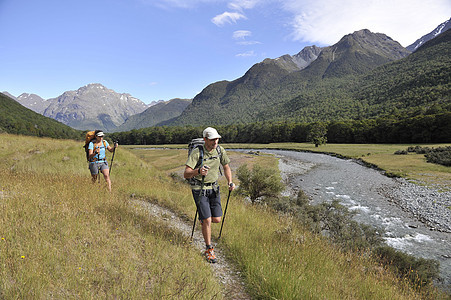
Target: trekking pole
(112, 159)
(200, 195)
(194, 224)
(225, 212)
(98, 171)
(97, 163)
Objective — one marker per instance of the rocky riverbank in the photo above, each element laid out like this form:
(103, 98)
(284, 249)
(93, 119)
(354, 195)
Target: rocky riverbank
(415, 219)
(428, 205)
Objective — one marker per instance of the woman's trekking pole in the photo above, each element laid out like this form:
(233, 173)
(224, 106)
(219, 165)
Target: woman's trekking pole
(112, 159)
(98, 171)
(225, 211)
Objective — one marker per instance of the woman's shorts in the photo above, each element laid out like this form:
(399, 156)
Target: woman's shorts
(94, 167)
(209, 204)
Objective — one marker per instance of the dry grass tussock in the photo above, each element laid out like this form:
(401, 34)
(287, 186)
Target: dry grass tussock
(63, 237)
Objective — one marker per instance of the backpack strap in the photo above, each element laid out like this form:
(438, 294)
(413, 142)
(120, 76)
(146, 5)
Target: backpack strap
(218, 149)
(200, 161)
(95, 158)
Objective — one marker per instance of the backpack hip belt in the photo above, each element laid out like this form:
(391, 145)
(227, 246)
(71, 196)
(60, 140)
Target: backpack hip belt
(197, 182)
(98, 161)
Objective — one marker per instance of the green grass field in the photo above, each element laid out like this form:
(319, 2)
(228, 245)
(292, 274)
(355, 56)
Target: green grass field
(412, 166)
(62, 236)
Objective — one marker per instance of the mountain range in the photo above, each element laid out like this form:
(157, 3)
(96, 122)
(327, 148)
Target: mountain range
(438, 30)
(155, 114)
(275, 89)
(329, 83)
(364, 75)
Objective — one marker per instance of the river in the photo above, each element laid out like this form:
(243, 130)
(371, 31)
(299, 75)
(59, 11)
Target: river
(374, 197)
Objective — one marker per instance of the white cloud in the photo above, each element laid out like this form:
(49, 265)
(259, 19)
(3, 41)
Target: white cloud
(246, 54)
(326, 21)
(180, 3)
(240, 5)
(248, 43)
(227, 17)
(241, 34)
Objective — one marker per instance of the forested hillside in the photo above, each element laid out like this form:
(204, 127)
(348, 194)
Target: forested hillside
(417, 84)
(268, 91)
(362, 76)
(17, 119)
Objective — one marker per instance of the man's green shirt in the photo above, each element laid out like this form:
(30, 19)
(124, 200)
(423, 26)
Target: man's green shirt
(211, 159)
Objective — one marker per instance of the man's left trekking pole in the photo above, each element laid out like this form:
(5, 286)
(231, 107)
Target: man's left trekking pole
(225, 211)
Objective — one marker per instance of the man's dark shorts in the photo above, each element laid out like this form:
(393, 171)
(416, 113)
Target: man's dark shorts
(209, 204)
(94, 167)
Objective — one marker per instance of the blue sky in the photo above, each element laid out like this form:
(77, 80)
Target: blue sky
(164, 49)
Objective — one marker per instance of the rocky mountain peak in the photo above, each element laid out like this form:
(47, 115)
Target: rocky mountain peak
(93, 106)
(367, 41)
(357, 53)
(306, 56)
(438, 30)
(296, 62)
(33, 102)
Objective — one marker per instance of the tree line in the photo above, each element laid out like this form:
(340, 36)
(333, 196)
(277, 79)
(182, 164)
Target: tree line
(433, 128)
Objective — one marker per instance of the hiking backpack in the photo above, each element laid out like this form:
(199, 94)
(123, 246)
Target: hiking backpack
(90, 137)
(199, 143)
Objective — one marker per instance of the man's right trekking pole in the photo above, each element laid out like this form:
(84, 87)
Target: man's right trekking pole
(200, 195)
(194, 224)
(225, 211)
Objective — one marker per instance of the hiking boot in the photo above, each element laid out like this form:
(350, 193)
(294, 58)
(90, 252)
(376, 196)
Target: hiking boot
(210, 255)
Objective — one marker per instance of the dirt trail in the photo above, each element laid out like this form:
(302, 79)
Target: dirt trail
(226, 274)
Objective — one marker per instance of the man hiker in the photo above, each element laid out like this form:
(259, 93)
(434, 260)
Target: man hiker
(97, 158)
(205, 187)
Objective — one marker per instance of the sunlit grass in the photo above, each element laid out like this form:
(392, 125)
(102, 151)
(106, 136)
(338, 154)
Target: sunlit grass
(280, 260)
(63, 237)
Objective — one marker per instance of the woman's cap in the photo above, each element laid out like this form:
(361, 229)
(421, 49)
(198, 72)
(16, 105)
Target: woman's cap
(100, 133)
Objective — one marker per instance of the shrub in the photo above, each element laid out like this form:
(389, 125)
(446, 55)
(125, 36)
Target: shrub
(422, 150)
(259, 182)
(419, 271)
(441, 155)
(331, 219)
(400, 152)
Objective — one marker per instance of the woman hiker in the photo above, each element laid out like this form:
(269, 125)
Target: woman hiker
(97, 158)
